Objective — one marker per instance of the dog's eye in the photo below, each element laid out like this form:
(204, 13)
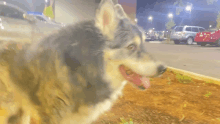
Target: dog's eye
(131, 47)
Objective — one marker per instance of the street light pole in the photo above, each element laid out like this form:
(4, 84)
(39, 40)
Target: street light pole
(170, 16)
(189, 9)
(150, 18)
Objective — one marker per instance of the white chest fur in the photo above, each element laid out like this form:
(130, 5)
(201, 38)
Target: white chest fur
(87, 115)
(102, 107)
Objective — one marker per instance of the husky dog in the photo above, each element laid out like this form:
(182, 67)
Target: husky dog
(76, 74)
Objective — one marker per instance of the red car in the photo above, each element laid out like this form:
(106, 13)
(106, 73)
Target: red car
(208, 37)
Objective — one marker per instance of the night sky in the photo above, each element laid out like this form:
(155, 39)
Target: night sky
(202, 14)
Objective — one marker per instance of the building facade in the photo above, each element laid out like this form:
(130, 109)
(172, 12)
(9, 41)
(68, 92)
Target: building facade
(77, 10)
(71, 11)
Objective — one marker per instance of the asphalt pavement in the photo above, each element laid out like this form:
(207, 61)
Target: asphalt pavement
(194, 58)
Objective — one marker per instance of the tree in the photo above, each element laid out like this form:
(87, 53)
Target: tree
(211, 1)
(170, 24)
(218, 21)
(181, 5)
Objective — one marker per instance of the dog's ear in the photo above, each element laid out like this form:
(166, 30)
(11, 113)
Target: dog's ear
(120, 11)
(106, 18)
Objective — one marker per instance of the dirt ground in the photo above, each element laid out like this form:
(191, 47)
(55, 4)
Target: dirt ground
(171, 99)
(168, 101)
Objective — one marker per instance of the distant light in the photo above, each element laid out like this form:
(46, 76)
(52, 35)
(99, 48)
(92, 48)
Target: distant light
(4, 3)
(136, 20)
(2, 27)
(163, 31)
(46, 1)
(188, 8)
(150, 31)
(153, 28)
(210, 26)
(150, 18)
(167, 31)
(170, 15)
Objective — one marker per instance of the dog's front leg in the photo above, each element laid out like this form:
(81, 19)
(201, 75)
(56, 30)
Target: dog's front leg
(21, 117)
(25, 119)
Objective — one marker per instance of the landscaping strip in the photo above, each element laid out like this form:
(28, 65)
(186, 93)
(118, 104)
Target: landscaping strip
(195, 75)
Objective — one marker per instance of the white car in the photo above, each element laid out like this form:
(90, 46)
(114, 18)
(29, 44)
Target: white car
(185, 34)
(17, 25)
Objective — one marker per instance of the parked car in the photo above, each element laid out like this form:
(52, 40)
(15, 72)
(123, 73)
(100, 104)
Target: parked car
(152, 35)
(156, 35)
(17, 25)
(185, 34)
(147, 36)
(211, 37)
(40, 16)
(160, 35)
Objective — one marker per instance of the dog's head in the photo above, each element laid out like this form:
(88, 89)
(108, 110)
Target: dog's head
(124, 53)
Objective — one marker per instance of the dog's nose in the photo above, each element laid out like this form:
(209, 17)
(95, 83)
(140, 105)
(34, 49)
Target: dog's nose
(161, 69)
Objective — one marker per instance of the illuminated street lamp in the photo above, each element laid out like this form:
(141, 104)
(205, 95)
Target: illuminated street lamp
(150, 18)
(170, 15)
(150, 31)
(136, 20)
(210, 26)
(189, 8)
(4, 3)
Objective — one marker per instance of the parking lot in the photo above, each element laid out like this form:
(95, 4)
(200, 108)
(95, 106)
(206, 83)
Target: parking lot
(202, 60)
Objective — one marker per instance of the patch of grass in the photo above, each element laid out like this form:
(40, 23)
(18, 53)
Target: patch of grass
(208, 82)
(208, 94)
(183, 79)
(123, 121)
(169, 80)
(175, 72)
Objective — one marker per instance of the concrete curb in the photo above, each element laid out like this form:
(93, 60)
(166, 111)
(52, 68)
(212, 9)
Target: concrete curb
(195, 75)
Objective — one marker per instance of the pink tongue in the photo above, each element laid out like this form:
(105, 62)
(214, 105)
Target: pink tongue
(137, 79)
(141, 81)
(146, 82)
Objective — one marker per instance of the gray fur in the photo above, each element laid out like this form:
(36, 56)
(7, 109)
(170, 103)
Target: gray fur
(77, 58)
(79, 48)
